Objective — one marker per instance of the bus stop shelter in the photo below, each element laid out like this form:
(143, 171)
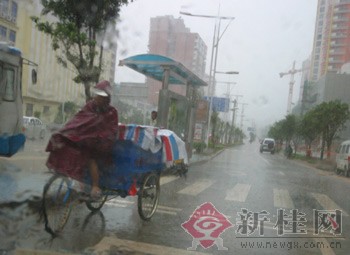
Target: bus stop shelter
(169, 71)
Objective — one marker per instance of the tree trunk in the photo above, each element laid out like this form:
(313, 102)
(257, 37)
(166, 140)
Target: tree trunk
(322, 147)
(87, 92)
(329, 145)
(308, 150)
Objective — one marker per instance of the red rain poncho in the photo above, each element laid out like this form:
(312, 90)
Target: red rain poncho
(91, 133)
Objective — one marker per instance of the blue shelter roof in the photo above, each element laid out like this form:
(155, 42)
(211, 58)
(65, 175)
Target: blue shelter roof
(154, 66)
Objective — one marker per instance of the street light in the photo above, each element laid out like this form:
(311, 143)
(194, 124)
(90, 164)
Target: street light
(229, 72)
(213, 60)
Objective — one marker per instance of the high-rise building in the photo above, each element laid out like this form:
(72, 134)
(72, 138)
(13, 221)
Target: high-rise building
(331, 47)
(171, 38)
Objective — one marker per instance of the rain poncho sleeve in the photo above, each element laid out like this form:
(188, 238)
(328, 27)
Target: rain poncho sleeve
(91, 133)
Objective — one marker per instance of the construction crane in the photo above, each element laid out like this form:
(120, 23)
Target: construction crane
(291, 83)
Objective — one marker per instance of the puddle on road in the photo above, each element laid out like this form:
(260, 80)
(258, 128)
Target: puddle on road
(19, 221)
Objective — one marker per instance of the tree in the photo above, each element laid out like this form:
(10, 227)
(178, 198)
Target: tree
(309, 130)
(331, 117)
(289, 127)
(69, 108)
(276, 132)
(215, 120)
(75, 33)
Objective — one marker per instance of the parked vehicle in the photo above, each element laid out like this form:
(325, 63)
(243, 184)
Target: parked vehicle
(268, 144)
(34, 128)
(11, 102)
(343, 158)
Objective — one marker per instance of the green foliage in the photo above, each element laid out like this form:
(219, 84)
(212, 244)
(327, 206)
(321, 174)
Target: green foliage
(331, 117)
(69, 109)
(324, 120)
(74, 33)
(129, 113)
(309, 128)
(37, 114)
(177, 117)
(199, 146)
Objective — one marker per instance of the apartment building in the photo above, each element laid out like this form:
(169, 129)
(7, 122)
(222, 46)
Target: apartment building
(171, 38)
(331, 47)
(55, 83)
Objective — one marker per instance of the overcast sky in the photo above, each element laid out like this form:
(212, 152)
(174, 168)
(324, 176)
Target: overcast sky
(263, 40)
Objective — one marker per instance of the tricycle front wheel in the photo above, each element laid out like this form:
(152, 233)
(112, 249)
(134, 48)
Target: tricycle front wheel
(148, 196)
(56, 203)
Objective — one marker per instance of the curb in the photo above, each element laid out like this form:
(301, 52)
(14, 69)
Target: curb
(39, 252)
(206, 158)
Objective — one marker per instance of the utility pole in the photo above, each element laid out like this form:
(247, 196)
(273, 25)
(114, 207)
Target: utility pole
(227, 94)
(291, 83)
(242, 115)
(213, 60)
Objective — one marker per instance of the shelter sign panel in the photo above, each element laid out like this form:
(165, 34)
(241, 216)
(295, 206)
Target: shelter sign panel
(220, 104)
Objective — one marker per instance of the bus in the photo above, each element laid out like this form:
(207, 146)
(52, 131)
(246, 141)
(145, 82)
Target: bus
(12, 137)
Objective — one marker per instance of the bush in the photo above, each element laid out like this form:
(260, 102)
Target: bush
(199, 146)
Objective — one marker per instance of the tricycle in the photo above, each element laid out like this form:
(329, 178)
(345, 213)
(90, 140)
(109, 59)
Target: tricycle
(140, 155)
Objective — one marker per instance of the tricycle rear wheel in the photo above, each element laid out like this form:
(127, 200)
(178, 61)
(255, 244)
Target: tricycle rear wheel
(148, 196)
(95, 205)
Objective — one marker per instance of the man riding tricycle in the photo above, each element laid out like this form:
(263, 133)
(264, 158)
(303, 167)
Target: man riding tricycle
(94, 158)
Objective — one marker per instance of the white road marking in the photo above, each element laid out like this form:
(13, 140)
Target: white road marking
(327, 203)
(264, 159)
(167, 179)
(152, 249)
(281, 173)
(165, 212)
(115, 205)
(196, 188)
(122, 201)
(282, 199)
(169, 208)
(239, 193)
(119, 203)
(160, 208)
(326, 249)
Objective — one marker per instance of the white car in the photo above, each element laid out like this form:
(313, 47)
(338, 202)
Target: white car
(268, 144)
(34, 128)
(342, 158)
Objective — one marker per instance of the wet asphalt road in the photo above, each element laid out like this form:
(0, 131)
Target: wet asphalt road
(237, 179)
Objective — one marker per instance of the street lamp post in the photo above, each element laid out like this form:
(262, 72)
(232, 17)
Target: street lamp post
(213, 60)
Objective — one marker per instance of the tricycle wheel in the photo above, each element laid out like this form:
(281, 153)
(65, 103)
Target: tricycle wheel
(56, 203)
(148, 196)
(95, 205)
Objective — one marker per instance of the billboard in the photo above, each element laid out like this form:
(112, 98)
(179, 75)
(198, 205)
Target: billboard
(220, 104)
(202, 111)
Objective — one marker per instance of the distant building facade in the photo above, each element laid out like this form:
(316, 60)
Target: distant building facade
(330, 87)
(171, 38)
(331, 48)
(133, 91)
(54, 84)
